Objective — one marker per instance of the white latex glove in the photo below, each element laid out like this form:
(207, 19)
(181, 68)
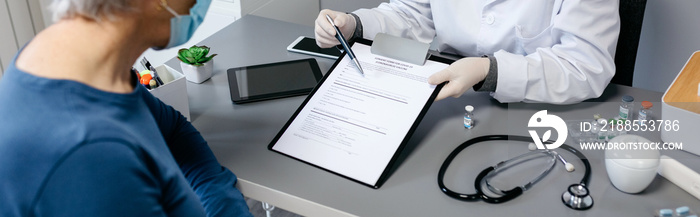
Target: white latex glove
(324, 31)
(461, 75)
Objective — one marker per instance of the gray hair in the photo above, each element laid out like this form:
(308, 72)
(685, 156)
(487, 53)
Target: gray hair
(94, 9)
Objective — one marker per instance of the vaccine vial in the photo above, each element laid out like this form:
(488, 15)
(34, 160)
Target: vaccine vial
(597, 128)
(626, 107)
(469, 117)
(617, 128)
(644, 112)
(597, 116)
(603, 130)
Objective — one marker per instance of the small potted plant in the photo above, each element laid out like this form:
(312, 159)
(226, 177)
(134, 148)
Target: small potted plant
(195, 63)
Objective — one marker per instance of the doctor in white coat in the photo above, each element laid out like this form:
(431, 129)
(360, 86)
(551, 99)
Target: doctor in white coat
(553, 51)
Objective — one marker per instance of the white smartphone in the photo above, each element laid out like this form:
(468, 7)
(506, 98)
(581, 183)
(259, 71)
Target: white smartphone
(307, 45)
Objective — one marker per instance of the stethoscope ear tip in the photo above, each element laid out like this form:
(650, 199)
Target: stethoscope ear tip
(570, 167)
(531, 146)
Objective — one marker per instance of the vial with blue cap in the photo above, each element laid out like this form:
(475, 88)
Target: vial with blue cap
(683, 211)
(665, 213)
(626, 107)
(469, 117)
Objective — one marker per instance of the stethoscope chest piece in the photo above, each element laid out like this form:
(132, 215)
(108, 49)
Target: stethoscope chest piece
(577, 197)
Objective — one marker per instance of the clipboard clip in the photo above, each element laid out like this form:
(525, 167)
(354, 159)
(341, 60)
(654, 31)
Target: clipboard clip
(403, 49)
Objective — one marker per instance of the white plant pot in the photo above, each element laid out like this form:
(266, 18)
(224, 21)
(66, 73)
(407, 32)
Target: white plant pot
(197, 74)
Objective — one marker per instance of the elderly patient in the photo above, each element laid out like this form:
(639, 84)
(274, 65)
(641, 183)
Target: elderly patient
(79, 137)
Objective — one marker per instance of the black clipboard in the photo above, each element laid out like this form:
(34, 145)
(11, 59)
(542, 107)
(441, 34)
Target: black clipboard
(385, 173)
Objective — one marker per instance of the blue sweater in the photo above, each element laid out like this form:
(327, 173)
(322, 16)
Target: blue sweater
(67, 149)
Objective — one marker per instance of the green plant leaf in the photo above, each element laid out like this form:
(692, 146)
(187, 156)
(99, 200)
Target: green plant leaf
(183, 52)
(182, 59)
(206, 59)
(181, 55)
(199, 55)
(195, 55)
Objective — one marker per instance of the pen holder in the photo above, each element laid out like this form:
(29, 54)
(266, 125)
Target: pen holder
(173, 91)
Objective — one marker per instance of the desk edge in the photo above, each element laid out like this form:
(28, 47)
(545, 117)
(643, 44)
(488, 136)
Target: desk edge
(286, 201)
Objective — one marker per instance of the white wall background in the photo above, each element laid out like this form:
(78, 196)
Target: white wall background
(20, 20)
(670, 34)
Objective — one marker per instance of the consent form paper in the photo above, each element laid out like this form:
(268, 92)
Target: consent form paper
(354, 124)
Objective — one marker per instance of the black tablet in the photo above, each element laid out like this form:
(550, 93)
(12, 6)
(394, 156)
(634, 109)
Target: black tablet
(273, 80)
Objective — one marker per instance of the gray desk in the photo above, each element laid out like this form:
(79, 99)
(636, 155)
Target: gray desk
(239, 135)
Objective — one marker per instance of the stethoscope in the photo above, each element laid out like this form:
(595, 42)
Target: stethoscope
(576, 196)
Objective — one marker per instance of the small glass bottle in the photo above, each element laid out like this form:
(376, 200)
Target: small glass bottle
(644, 112)
(596, 126)
(603, 130)
(618, 128)
(626, 108)
(469, 117)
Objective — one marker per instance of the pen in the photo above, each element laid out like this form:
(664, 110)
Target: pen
(345, 44)
(147, 65)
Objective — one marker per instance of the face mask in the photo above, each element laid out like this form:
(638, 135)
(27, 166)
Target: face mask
(182, 27)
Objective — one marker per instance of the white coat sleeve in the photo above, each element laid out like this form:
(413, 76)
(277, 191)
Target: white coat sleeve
(578, 66)
(402, 18)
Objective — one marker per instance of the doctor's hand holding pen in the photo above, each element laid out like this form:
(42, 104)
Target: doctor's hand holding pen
(325, 32)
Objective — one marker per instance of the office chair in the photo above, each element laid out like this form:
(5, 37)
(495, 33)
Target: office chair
(631, 17)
